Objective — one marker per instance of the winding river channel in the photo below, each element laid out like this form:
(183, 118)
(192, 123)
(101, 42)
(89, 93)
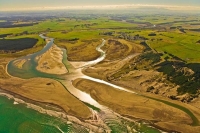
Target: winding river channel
(114, 122)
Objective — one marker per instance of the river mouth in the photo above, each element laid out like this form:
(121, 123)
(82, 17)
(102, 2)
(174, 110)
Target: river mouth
(114, 121)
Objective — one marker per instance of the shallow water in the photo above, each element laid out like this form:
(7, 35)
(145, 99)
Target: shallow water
(29, 67)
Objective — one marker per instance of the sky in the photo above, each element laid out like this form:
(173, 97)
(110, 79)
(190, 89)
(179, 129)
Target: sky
(31, 4)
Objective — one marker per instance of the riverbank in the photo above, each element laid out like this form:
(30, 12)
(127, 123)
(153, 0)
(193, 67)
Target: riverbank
(83, 64)
(132, 105)
(51, 61)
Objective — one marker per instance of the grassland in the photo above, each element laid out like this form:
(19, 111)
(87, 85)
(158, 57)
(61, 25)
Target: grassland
(182, 45)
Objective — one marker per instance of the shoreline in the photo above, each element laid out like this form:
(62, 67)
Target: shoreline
(92, 125)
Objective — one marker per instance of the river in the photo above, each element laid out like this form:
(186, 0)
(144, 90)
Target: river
(115, 122)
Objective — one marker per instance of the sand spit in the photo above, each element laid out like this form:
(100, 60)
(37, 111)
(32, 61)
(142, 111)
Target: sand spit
(19, 63)
(51, 61)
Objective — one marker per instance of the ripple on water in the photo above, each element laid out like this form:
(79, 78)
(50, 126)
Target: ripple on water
(18, 118)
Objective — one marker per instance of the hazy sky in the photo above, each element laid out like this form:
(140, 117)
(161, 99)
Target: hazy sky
(17, 4)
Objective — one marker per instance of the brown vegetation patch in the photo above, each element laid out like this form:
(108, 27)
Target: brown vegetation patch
(3, 63)
(47, 91)
(117, 49)
(133, 105)
(84, 50)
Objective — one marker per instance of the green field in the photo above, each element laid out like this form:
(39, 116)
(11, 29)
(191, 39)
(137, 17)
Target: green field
(172, 41)
(182, 45)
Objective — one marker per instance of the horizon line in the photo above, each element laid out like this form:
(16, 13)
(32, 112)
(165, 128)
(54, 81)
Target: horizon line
(97, 7)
